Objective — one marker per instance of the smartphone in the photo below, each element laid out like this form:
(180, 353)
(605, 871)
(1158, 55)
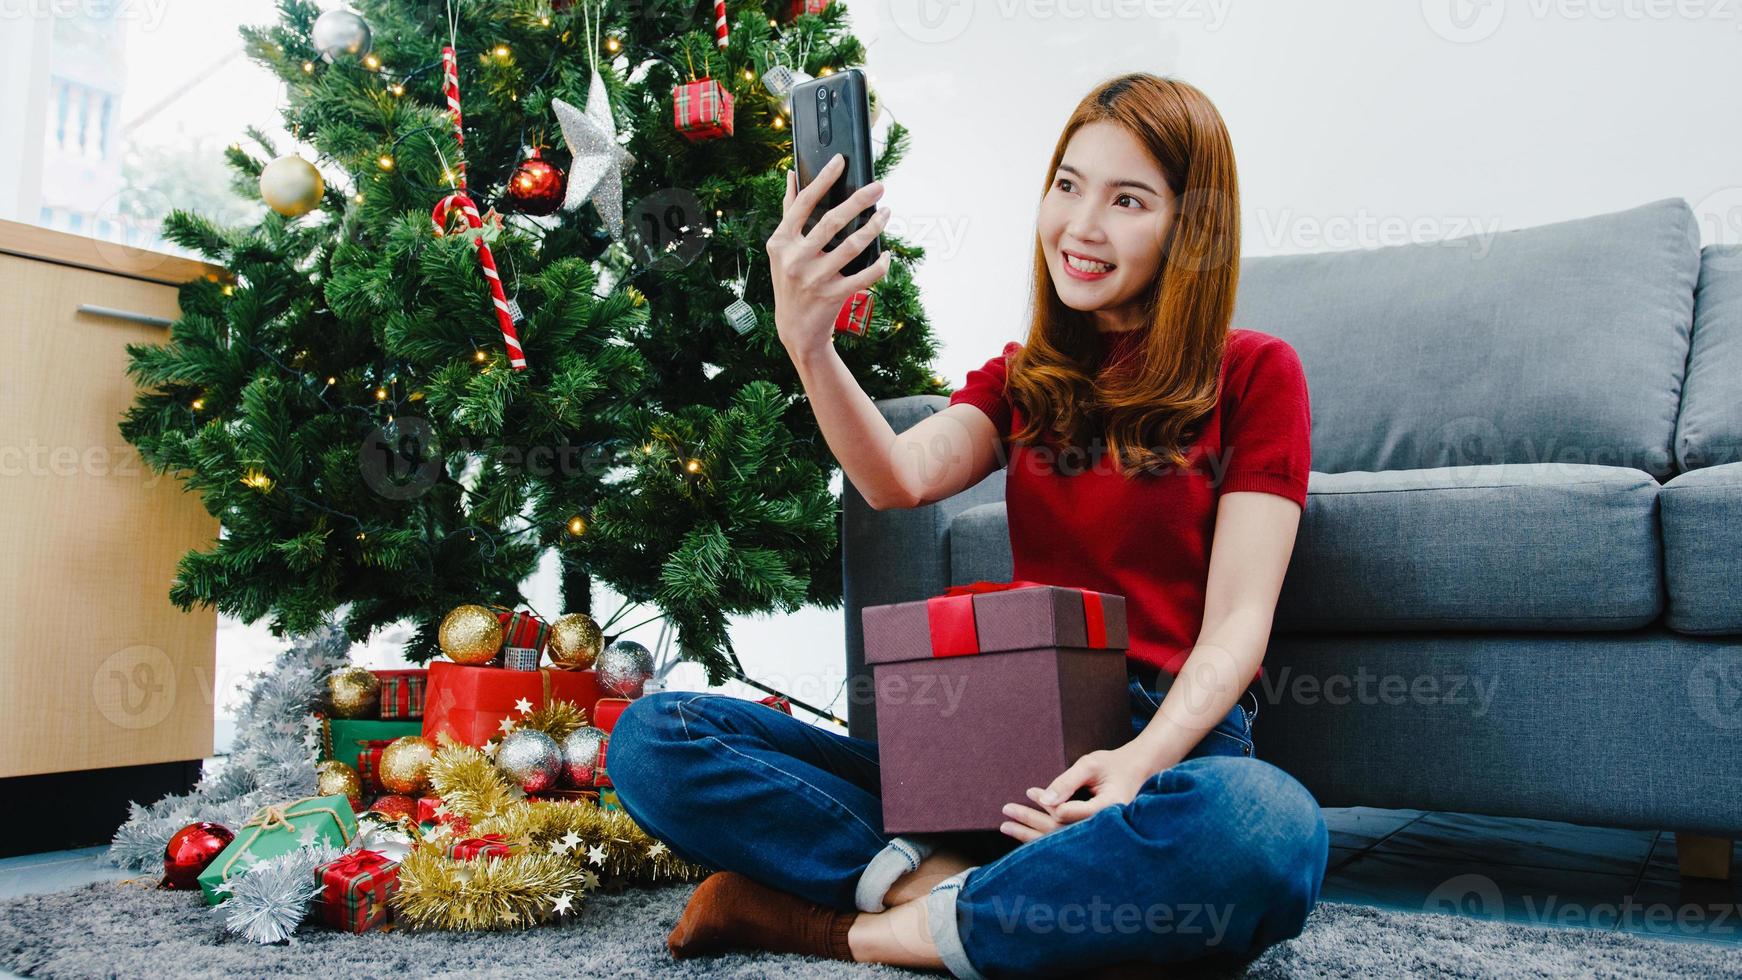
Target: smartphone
(831, 115)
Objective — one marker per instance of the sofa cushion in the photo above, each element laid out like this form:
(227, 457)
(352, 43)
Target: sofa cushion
(1560, 343)
(980, 545)
(1554, 546)
(1701, 511)
(1709, 430)
(1510, 546)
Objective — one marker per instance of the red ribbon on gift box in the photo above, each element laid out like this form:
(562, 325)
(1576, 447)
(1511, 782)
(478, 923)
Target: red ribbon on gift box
(951, 616)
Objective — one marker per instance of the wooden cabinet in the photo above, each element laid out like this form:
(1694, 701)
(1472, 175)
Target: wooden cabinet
(98, 669)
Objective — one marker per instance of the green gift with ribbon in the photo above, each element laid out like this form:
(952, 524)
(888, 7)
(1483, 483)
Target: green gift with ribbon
(276, 830)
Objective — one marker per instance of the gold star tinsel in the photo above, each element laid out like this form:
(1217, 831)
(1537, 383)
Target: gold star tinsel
(556, 719)
(515, 892)
(522, 890)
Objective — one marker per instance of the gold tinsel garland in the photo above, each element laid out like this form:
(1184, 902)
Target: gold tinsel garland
(561, 851)
(557, 719)
(437, 892)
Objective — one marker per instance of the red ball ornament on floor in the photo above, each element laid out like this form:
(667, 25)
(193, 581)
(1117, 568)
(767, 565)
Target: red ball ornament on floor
(190, 850)
(395, 806)
(537, 186)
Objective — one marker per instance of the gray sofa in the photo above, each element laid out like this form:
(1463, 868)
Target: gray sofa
(1517, 586)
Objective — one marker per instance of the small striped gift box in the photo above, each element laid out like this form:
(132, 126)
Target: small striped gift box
(701, 110)
(402, 693)
(522, 629)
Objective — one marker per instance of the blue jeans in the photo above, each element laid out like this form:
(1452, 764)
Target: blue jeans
(1219, 856)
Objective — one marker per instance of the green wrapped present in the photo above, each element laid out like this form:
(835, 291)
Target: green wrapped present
(279, 830)
(357, 742)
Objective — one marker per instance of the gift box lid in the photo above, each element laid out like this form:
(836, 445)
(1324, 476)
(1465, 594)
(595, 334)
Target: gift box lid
(987, 617)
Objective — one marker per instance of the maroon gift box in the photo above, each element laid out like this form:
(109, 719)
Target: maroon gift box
(987, 690)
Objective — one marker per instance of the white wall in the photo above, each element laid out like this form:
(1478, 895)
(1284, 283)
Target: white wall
(1355, 124)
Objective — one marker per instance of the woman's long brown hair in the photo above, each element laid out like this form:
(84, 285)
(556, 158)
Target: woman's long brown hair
(1144, 406)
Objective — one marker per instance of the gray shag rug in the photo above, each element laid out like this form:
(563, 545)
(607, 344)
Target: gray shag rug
(110, 929)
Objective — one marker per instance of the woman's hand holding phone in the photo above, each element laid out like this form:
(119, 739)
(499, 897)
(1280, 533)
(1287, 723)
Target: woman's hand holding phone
(809, 289)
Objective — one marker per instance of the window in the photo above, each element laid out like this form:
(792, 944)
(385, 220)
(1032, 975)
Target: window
(129, 107)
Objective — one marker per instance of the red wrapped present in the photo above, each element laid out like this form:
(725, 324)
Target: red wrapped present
(355, 890)
(855, 314)
(522, 629)
(701, 110)
(402, 693)
(802, 7)
(606, 711)
(476, 704)
(489, 845)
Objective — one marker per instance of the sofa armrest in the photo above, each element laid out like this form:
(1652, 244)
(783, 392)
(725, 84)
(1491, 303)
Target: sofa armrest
(895, 555)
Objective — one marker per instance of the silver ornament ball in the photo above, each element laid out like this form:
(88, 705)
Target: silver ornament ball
(623, 667)
(341, 32)
(530, 758)
(581, 751)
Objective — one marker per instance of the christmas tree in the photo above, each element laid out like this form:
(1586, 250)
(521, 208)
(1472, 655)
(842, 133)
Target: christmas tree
(379, 429)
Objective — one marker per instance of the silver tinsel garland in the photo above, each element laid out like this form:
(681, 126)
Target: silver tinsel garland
(273, 759)
(268, 901)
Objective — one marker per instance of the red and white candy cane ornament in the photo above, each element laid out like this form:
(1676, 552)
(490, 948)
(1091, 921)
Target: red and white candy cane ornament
(451, 89)
(720, 29)
(444, 209)
(462, 202)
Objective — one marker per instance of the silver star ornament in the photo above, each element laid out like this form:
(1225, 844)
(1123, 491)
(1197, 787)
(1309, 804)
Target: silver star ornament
(599, 162)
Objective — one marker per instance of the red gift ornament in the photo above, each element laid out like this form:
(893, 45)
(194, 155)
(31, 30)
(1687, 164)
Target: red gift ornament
(522, 629)
(951, 617)
(489, 845)
(355, 890)
(855, 313)
(701, 110)
(802, 7)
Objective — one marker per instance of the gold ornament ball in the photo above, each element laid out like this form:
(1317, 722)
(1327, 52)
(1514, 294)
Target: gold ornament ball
(575, 641)
(470, 635)
(405, 764)
(334, 778)
(291, 186)
(353, 692)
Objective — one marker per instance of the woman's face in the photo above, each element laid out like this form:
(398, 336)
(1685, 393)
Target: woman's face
(1108, 202)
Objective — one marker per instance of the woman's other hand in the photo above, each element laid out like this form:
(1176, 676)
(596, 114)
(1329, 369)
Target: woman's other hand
(1112, 775)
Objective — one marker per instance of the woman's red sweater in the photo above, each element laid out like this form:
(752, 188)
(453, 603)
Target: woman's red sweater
(1075, 521)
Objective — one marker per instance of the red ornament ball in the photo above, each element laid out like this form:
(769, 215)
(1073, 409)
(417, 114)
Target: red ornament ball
(395, 806)
(537, 186)
(190, 850)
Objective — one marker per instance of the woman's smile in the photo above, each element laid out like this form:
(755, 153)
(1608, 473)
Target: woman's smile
(1079, 266)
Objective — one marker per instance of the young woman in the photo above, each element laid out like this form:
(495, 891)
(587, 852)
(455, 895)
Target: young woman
(1135, 427)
